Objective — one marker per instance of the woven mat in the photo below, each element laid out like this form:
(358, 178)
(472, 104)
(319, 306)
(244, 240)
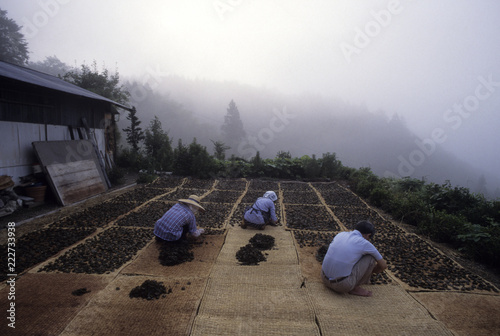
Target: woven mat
(310, 267)
(147, 262)
(113, 312)
(254, 300)
(390, 311)
(44, 303)
(241, 325)
(283, 252)
(257, 302)
(239, 236)
(464, 313)
(271, 275)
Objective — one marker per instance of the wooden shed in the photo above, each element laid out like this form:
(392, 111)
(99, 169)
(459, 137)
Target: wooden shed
(37, 108)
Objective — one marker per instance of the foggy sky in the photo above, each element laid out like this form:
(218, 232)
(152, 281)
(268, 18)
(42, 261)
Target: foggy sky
(435, 63)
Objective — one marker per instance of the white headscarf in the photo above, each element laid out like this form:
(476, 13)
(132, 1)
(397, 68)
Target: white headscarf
(271, 195)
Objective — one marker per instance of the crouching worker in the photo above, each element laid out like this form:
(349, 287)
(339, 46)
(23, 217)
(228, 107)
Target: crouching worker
(179, 222)
(351, 259)
(262, 212)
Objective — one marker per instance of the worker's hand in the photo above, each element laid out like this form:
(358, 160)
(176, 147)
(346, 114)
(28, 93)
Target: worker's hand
(198, 232)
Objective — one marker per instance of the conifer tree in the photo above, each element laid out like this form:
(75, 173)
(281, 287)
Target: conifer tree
(135, 134)
(14, 47)
(158, 146)
(220, 150)
(232, 129)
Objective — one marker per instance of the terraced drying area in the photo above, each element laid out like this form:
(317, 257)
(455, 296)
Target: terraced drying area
(314, 212)
(113, 241)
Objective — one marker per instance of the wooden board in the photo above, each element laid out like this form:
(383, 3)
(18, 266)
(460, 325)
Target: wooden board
(76, 181)
(72, 168)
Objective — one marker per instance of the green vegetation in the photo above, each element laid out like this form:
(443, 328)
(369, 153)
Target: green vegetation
(103, 83)
(445, 214)
(442, 212)
(14, 46)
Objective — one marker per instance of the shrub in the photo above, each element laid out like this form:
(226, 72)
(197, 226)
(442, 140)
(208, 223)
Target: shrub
(410, 208)
(380, 197)
(127, 158)
(444, 227)
(481, 243)
(145, 178)
(116, 175)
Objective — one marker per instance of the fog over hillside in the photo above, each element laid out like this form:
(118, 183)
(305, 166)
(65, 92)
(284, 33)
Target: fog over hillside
(404, 87)
(303, 125)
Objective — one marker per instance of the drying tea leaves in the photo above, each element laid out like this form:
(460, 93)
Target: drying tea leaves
(175, 253)
(249, 255)
(262, 241)
(80, 291)
(320, 254)
(150, 289)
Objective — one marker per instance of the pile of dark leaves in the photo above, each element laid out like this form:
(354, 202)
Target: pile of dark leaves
(320, 254)
(175, 253)
(150, 289)
(250, 255)
(262, 241)
(80, 291)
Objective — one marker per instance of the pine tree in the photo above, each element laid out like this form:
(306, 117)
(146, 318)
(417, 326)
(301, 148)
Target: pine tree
(481, 186)
(158, 146)
(220, 150)
(232, 129)
(14, 46)
(257, 165)
(182, 160)
(135, 133)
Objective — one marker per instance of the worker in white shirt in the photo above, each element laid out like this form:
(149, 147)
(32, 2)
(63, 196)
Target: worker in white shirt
(351, 259)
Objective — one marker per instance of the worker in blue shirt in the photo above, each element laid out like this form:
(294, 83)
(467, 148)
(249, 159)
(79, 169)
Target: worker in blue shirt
(179, 222)
(262, 212)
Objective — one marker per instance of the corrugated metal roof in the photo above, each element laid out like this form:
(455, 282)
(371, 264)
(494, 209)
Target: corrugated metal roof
(48, 81)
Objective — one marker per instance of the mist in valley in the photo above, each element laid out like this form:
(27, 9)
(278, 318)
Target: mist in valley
(304, 124)
(406, 88)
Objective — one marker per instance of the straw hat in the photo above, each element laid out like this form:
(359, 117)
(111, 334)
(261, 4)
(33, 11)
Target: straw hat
(193, 200)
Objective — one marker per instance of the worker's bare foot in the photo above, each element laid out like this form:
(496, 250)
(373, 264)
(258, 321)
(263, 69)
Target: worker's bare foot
(360, 291)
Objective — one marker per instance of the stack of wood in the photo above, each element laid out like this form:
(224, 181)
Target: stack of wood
(6, 182)
(9, 201)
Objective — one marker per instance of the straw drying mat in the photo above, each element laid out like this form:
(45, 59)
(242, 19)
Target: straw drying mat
(274, 298)
(283, 252)
(205, 254)
(264, 299)
(464, 313)
(113, 312)
(45, 304)
(391, 311)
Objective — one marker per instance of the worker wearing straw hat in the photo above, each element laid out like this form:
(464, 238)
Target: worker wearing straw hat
(179, 222)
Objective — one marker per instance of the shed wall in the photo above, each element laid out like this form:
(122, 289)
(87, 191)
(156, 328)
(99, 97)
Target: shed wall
(16, 150)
